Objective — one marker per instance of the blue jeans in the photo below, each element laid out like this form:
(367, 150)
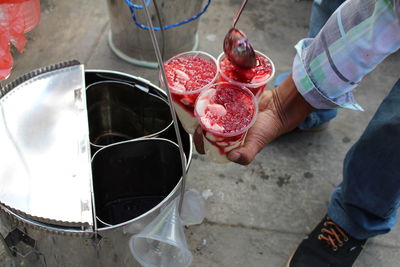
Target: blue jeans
(320, 12)
(365, 203)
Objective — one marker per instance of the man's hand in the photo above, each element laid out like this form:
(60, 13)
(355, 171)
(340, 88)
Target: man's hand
(280, 111)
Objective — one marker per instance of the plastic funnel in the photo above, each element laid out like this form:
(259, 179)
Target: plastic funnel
(162, 242)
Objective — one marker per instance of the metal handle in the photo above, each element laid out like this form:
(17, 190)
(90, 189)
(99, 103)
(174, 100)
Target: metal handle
(13, 240)
(238, 13)
(15, 237)
(4, 244)
(172, 109)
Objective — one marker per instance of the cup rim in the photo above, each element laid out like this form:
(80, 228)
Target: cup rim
(252, 85)
(213, 59)
(230, 134)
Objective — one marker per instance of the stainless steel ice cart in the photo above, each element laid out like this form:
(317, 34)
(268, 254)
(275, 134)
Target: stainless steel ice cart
(68, 197)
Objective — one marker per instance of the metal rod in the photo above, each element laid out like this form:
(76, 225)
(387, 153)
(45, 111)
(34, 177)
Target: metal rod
(172, 108)
(238, 13)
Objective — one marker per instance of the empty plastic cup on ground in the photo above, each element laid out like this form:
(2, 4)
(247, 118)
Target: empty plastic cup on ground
(193, 208)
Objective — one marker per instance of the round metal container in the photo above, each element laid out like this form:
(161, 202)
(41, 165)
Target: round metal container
(119, 111)
(133, 44)
(61, 205)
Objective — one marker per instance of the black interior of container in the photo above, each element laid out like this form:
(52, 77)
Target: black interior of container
(103, 106)
(133, 177)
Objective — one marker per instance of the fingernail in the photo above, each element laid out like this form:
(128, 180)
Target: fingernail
(233, 156)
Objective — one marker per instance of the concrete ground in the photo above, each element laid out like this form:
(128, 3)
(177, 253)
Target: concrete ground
(256, 215)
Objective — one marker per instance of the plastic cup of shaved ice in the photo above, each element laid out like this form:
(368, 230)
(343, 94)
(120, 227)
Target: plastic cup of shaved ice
(225, 112)
(188, 74)
(255, 78)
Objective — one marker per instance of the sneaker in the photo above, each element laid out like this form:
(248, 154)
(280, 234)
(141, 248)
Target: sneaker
(328, 245)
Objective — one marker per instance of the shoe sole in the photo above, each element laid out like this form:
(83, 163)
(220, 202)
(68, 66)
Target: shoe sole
(291, 256)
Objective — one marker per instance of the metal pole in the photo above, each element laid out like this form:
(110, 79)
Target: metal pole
(172, 108)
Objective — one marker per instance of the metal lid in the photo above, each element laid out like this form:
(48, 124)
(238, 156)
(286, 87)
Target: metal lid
(45, 169)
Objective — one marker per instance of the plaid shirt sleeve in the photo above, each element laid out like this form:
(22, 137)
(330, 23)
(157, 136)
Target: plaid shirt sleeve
(356, 38)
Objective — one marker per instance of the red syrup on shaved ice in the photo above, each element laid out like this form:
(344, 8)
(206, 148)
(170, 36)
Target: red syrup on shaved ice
(225, 112)
(187, 75)
(255, 78)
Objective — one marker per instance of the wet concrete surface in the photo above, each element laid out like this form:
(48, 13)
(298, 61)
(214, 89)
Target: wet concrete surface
(256, 214)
